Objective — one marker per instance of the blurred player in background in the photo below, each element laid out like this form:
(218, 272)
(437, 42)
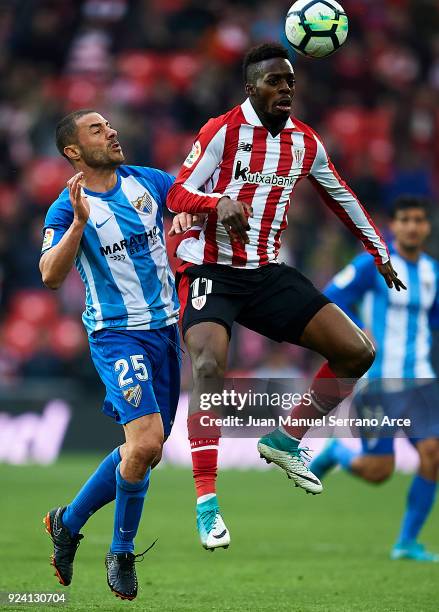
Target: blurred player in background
(400, 326)
(241, 171)
(109, 223)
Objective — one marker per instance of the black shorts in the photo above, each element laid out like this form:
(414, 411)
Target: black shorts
(274, 300)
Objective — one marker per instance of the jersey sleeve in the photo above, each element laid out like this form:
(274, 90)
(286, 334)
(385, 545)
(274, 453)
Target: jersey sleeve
(158, 181)
(199, 166)
(164, 182)
(344, 203)
(59, 218)
(348, 287)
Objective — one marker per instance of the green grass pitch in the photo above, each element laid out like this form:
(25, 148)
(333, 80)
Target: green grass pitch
(290, 551)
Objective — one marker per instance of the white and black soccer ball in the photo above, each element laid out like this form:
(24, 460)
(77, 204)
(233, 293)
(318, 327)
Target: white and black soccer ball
(316, 28)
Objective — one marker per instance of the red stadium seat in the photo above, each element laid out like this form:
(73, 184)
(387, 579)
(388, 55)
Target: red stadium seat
(21, 337)
(38, 307)
(68, 337)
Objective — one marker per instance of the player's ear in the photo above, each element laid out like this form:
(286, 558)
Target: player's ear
(72, 152)
(428, 230)
(250, 89)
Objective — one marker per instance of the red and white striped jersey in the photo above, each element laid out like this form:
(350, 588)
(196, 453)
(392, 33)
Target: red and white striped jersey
(235, 155)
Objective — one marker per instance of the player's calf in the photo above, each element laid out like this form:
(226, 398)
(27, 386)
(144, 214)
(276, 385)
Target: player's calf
(428, 458)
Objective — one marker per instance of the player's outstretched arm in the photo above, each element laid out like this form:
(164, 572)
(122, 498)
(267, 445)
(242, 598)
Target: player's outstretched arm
(56, 263)
(343, 202)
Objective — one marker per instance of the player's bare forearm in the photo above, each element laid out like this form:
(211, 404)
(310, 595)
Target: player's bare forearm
(57, 263)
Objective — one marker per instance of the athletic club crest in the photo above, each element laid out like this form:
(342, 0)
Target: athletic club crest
(133, 395)
(143, 203)
(200, 288)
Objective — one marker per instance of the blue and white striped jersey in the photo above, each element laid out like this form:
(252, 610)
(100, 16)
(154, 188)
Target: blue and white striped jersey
(122, 257)
(399, 321)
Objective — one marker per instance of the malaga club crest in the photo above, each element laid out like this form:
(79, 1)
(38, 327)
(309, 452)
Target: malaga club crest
(143, 203)
(133, 395)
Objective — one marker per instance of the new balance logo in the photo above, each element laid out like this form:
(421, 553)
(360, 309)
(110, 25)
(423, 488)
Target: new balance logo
(245, 146)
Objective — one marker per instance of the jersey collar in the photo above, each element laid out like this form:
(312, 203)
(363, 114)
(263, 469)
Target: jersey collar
(106, 194)
(252, 118)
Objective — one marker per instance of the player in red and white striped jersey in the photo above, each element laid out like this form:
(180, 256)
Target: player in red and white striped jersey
(236, 156)
(240, 173)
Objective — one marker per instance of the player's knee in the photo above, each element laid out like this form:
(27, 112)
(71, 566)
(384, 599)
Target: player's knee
(379, 473)
(157, 459)
(379, 477)
(375, 470)
(207, 367)
(361, 357)
(429, 456)
(145, 452)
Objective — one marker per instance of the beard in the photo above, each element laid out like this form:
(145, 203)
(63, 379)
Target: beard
(102, 159)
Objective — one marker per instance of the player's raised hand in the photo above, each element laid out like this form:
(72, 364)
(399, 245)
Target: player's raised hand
(184, 221)
(81, 207)
(234, 215)
(390, 276)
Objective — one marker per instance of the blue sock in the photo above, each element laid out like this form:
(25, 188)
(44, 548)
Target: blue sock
(100, 489)
(129, 505)
(420, 500)
(344, 455)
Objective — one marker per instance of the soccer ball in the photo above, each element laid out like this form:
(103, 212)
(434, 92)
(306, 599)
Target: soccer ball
(316, 28)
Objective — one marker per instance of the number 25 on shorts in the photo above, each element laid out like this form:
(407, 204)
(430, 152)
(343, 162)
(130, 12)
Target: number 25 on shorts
(122, 366)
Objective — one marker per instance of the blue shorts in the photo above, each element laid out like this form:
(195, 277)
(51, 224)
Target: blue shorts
(141, 372)
(419, 403)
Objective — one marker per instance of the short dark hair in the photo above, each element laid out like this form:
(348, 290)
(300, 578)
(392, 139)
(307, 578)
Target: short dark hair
(406, 201)
(66, 130)
(266, 51)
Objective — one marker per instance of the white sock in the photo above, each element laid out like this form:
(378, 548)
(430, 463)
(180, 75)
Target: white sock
(204, 498)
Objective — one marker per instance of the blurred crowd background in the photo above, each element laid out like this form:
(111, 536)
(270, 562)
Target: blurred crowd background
(159, 69)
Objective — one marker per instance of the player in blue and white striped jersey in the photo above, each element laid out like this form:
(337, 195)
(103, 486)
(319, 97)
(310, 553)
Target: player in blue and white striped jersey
(109, 223)
(400, 325)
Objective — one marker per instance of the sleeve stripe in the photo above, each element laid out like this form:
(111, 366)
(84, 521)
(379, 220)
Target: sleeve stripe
(194, 191)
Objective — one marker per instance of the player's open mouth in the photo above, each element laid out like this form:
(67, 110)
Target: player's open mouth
(116, 147)
(283, 105)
